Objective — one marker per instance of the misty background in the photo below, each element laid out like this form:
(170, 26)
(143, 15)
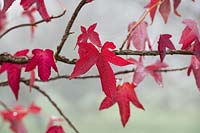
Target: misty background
(173, 108)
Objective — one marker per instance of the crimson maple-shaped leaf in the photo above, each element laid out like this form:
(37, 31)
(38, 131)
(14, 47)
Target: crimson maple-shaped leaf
(89, 35)
(141, 71)
(55, 129)
(89, 56)
(29, 14)
(16, 115)
(189, 34)
(195, 68)
(125, 93)
(163, 43)
(44, 59)
(14, 72)
(139, 37)
(26, 4)
(164, 9)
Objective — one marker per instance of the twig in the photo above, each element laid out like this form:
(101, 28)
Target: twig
(68, 27)
(4, 106)
(37, 88)
(141, 19)
(8, 58)
(5, 83)
(29, 24)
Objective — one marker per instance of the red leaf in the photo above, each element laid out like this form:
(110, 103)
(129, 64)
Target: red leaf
(26, 4)
(88, 1)
(163, 43)
(55, 129)
(6, 5)
(139, 37)
(195, 67)
(176, 4)
(153, 10)
(165, 10)
(3, 21)
(44, 59)
(141, 72)
(189, 34)
(14, 72)
(15, 117)
(89, 56)
(29, 14)
(89, 34)
(125, 94)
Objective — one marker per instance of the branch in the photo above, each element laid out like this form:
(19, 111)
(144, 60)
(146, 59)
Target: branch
(141, 19)
(37, 88)
(8, 58)
(32, 24)
(68, 27)
(151, 53)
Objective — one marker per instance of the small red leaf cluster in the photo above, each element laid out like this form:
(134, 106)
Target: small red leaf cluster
(16, 115)
(43, 59)
(164, 8)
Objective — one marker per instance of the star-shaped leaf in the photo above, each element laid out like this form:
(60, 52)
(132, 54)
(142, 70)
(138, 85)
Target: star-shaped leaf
(89, 56)
(89, 35)
(124, 95)
(163, 43)
(44, 59)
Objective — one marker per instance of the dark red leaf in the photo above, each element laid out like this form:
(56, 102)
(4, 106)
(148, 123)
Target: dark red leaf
(163, 43)
(165, 9)
(44, 59)
(125, 94)
(26, 4)
(14, 72)
(3, 22)
(176, 4)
